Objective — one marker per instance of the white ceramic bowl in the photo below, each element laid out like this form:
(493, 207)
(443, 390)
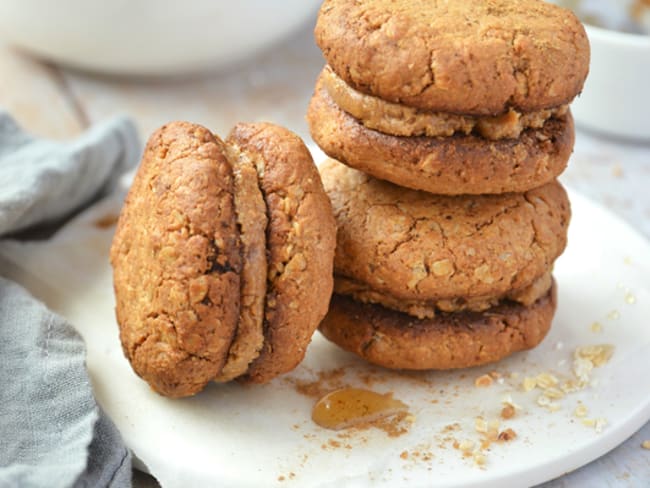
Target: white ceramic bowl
(616, 95)
(149, 37)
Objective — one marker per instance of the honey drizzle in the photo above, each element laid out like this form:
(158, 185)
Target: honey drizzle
(351, 407)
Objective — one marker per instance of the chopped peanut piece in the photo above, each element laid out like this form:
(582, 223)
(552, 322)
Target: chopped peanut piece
(507, 435)
(508, 412)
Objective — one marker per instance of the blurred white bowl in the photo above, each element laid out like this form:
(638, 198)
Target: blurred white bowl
(616, 95)
(149, 37)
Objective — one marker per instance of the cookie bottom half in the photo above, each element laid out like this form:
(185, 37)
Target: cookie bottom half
(449, 340)
(454, 165)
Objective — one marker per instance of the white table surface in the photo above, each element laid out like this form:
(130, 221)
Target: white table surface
(276, 85)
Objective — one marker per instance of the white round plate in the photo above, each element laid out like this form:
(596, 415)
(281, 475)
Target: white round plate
(236, 435)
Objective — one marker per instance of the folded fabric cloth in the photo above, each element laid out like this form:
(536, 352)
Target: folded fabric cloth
(52, 433)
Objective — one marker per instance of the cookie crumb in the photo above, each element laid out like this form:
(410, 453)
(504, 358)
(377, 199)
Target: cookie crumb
(483, 381)
(466, 446)
(507, 435)
(598, 424)
(106, 221)
(404, 455)
(546, 380)
(508, 412)
(646, 444)
(554, 393)
(596, 327)
(630, 299)
(544, 401)
(598, 354)
(580, 411)
(529, 383)
(588, 357)
(480, 425)
(479, 458)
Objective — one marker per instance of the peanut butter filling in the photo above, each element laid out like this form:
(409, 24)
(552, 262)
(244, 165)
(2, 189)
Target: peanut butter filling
(426, 309)
(401, 120)
(252, 223)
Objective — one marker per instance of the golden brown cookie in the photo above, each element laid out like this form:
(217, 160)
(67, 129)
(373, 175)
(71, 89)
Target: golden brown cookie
(176, 261)
(466, 57)
(447, 252)
(450, 340)
(458, 164)
(300, 243)
(222, 257)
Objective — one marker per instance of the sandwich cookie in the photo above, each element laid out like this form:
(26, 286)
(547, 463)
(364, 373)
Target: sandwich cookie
(409, 257)
(450, 98)
(214, 245)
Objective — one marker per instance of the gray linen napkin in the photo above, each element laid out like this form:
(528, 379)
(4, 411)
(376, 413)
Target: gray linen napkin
(52, 433)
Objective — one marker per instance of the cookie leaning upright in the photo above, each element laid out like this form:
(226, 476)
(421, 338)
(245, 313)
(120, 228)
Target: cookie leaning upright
(222, 258)
(301, 237)
(449, 97)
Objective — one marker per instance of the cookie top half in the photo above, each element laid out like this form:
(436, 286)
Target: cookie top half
(466, 56)
(412, 245)
(301, 236)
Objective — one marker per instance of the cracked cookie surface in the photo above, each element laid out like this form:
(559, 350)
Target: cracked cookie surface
(467, 56)
(452, 340)
(176, 261)
(413, 245)
(453, 165)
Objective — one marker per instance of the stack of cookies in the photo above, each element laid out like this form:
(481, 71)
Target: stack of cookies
(447, 124)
